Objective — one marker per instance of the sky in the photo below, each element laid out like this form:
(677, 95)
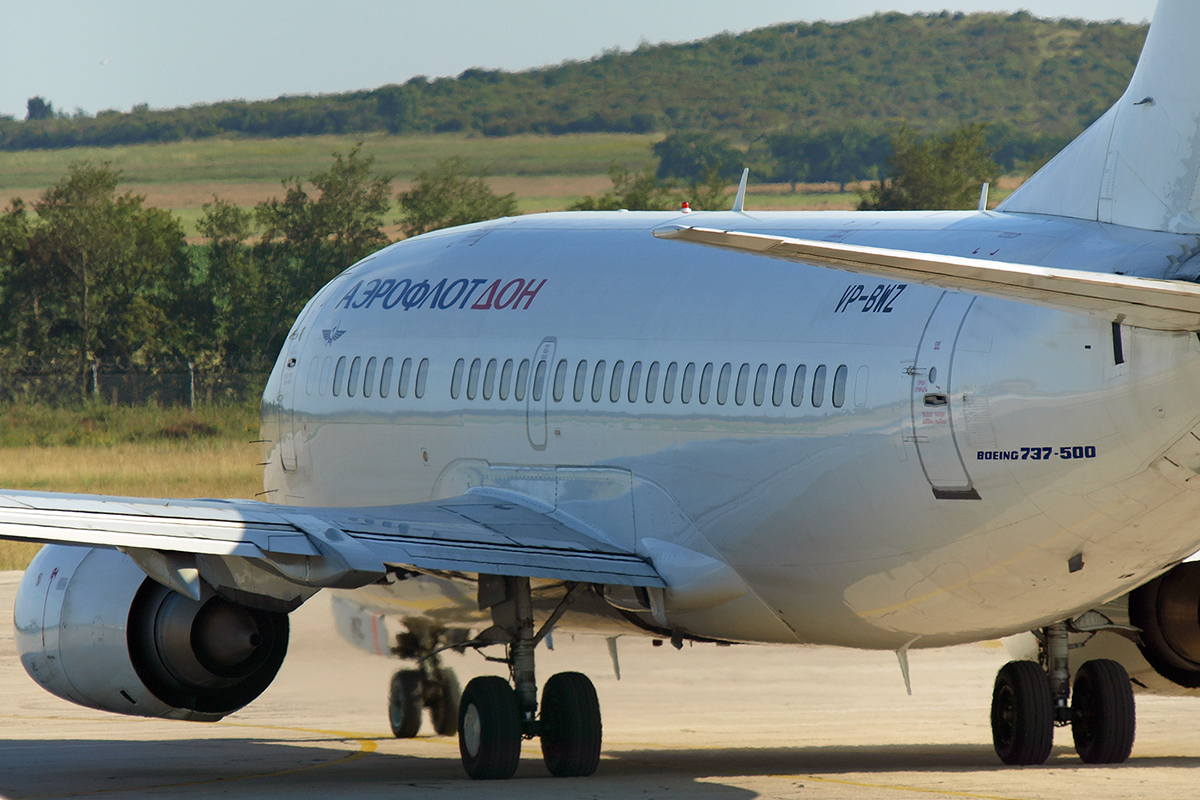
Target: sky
(93, 55)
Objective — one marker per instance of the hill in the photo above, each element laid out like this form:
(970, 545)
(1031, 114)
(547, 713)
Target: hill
(1034, 79)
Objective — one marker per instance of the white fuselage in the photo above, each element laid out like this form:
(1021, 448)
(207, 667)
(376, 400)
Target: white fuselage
(945, 466)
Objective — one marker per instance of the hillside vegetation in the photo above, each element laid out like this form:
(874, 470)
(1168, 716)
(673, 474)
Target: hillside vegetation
(1033, 79)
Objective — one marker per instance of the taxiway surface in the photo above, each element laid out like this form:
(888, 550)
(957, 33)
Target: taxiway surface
(703, 722)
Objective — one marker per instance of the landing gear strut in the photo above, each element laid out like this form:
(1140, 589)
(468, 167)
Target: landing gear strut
(431, 686)
(1029, 700)
(494, 717)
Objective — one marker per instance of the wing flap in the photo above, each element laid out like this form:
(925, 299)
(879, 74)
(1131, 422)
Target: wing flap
(1141, 302)
(475, 534)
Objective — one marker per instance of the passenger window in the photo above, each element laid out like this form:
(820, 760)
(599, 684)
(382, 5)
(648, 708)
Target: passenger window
(839, 386)
(339, 372)
(635, 380)
(385, 377)
(405, 369)
(522, 381)
(760, 384)
(313, 369)
(473, 378)
(669, 382)
(505, 378)
(369, 377)
(489, 379)
(456, 379)
(598, 382)
(689, 377)
(580, 380)
(422, 374)
(743, 383)
(326, 367)
(780, 383)
(560, 380)
(652, 383)
(355, 367)
(706, 382)
(818, 390)
(539, 382)
(723, 384)
(798, 385)
(614, 391)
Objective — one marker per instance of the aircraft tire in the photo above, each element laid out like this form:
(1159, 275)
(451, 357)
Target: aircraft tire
(443, 705)
(489, 729)
(1103, 718)
(1022, 714)
(570, 726)
(405, 704)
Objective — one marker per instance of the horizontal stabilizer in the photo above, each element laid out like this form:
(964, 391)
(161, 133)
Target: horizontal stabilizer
(1139, 302)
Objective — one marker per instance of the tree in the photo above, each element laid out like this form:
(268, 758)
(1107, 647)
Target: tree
(632, 191)
(38, 108)
(97, 265)
(451, 194)
(932, 173)
(306, 242)
(709, 194)
(696, 157)
(14, 253)
(233, 298)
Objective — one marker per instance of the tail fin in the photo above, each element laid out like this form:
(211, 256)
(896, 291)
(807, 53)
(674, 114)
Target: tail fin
(1139, 164)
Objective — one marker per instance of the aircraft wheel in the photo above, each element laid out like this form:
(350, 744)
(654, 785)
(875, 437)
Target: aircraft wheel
(570, 726)
(489, 729)
(405, 704)
(1102, 712)
(443, 704)
(1022, 714)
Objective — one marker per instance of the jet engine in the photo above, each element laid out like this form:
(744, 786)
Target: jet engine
(1167, 610)
(93, 629)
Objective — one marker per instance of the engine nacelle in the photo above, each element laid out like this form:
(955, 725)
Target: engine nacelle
(1167, 609)
(93, 629)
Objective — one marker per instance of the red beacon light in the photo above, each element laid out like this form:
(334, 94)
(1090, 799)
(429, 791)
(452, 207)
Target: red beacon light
(684, 208)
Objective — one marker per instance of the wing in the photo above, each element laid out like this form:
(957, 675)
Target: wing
(1140, 302)
(480, 532)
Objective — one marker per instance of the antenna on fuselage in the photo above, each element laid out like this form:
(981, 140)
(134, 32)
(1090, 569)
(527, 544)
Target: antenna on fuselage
(740, 199)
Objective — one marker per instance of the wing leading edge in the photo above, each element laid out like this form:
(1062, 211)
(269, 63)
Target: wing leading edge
(334, 547)
(1140, 302)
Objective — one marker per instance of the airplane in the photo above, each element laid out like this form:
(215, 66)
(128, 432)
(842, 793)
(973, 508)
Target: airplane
(877, 430)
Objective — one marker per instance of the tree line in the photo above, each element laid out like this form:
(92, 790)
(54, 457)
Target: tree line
(89, 274)
(1039, 82)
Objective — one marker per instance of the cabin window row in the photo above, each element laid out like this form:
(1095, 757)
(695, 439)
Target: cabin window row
(369, 377)
(676, 380)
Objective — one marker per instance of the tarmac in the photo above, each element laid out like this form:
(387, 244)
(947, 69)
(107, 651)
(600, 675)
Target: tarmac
(703, 722)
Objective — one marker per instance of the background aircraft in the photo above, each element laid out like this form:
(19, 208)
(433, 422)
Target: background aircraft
(876, 430)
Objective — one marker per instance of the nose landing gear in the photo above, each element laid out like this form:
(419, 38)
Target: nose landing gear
(1029, 700)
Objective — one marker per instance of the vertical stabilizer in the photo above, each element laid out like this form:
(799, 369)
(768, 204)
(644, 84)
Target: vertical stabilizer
(1139, 164)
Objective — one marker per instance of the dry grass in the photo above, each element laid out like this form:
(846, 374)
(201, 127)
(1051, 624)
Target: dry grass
(217, 469)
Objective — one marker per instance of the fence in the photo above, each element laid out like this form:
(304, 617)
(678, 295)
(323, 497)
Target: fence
(167, 382)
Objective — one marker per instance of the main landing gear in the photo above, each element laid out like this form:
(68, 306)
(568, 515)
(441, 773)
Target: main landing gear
(494, 716)
(1029, 700)
(430, 686)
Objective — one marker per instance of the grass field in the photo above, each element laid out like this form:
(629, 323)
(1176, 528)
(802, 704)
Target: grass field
(141, 452)
(546, 173)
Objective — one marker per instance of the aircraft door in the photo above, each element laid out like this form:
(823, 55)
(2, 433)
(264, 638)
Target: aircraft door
(286, 399)
(933, 403)
(538, 394)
